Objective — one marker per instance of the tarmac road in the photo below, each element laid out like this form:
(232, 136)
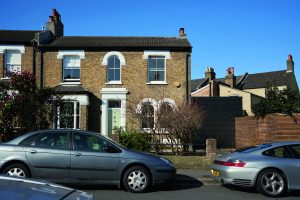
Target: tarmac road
(187, 185)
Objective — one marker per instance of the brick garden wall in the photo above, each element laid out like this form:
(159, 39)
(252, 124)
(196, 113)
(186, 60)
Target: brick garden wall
(274, 127)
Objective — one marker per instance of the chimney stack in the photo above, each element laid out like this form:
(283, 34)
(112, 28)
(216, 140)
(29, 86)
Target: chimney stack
(210, 73)
(290, 64)
(182, 35)
(230, 79)
(55, 25)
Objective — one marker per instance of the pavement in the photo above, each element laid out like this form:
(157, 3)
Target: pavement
(192, 175)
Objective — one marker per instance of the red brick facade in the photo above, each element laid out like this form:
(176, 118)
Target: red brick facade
(274, 127)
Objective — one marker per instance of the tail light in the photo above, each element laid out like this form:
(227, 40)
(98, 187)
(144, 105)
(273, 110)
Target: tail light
(231, 163)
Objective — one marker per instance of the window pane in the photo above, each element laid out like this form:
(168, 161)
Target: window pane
(67, 115)
(296, 151)
(53, 140)
(110, 63)
(13, 57)
(160, 64)
(147, 116)
(87, 142)
(67, 73)
(117, 63)
(110, 75)
(117, 74)
(151, 64)
(160, 76)
(75, 73)
(114, 104)
(152, 75)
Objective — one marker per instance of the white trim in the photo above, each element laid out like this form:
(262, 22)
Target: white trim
(63, 53)
(114, 83)
(4, 48)
(70, 83)
(157, 83)
(83, 99)
(112, 94)
(113, 53)
(167, 100)
(148, 53)
(153, 102)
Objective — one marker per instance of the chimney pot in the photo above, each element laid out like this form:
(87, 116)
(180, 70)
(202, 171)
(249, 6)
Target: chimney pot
(54, 12)
(51, 18)
(290, 57)
(181, 31)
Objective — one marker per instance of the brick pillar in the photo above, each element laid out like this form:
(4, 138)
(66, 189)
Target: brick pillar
(83, 117)
(211, 148)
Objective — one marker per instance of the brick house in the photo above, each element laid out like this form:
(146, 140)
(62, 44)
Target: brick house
(251, 87)
(100, 76)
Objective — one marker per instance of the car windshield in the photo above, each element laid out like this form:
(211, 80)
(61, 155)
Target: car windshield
(253, 148)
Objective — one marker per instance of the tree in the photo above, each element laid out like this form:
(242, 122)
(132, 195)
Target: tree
(23, 106)
(277, 101)
(182, 124)
(176, 124)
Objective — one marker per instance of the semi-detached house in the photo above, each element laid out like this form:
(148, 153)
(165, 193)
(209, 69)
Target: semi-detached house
(99, 76)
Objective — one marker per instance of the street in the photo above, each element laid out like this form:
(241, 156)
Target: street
(187, 184)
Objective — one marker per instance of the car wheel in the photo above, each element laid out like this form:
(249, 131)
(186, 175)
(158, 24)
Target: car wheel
(136, 179)
(19, 170)
(272, 183)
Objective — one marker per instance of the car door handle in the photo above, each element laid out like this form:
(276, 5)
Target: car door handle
(33, 151)
(77, 154)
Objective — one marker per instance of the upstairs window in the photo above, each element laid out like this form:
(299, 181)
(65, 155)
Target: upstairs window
(12, 62)
(71, 68)
(156, 69)
(113, 69)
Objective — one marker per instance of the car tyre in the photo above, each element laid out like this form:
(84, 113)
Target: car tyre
(18, 169)
(272, 183)
(136, 179)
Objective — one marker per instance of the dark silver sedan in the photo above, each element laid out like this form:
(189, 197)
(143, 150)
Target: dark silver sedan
(15, 188)
(80, 157)
(272, 168)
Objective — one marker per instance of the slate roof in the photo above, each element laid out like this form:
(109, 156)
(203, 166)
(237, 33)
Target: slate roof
(258, 80)
(110, 42)
(70, 89)
(16, 36)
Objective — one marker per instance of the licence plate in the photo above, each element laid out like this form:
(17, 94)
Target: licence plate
(215, 173)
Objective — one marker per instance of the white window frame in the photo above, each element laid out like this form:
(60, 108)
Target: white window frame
(4, 48)
(122, 64)
(71, 68)
(114, 81)
(61, 54)
(76, 105)
(18, 64)
(155, 53)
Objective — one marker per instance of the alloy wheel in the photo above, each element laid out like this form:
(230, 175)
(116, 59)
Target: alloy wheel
(16, 172)
(137, 180)
(272, 183)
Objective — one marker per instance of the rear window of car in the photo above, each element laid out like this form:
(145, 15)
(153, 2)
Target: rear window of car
(253, 148)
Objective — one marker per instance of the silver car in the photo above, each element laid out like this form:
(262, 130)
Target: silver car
(272, 168)
(80, 157)
(15, 188)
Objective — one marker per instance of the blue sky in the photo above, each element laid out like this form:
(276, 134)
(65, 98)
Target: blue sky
(251, 35)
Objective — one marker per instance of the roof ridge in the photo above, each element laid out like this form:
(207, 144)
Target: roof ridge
(70, 36)
(22, 30)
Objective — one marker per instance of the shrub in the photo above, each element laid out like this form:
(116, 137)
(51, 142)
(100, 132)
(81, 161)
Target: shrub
(135, 140)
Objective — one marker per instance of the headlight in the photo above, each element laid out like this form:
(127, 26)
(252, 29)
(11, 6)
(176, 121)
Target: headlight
(166, 161)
